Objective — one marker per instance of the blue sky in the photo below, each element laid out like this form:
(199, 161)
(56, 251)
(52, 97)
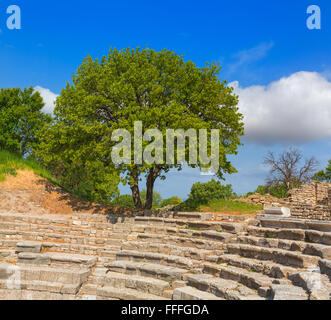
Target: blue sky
(258, 43)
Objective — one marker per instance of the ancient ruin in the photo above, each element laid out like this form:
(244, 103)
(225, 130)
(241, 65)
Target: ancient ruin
(169, 255)
(311, 201)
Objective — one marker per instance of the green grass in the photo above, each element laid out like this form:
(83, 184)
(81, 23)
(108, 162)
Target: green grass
(231, 206)
(10, 163)
(192, 228)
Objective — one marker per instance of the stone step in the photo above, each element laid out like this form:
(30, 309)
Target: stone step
(139, 283)
(317, 285)
(147, 270)
(50, 226)
(18, 294)
(286, 292)
(28, 246)
(311, 236)
(284, 257)
(203, 216)
(126, 294)
(165, 248)
(60, 238)
(270, 269)
(252, 280)
(56, 259)
(8, 244)
(37, 285)
(190, 293)
(47, 246)
(93, 221)
(181, 241)
(230, 227)
(325, 267)
(167, 231)
(7, 254)
(41, 273)
(226, 289)
(314, 249)
(102, 251)
(158, 258)
(74, 231)
(291, 223)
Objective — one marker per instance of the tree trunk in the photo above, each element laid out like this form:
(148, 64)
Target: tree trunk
(152, 175)
(135, 191)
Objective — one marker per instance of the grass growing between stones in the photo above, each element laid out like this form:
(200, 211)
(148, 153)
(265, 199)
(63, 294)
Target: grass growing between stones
(192, 228)
(230, 206)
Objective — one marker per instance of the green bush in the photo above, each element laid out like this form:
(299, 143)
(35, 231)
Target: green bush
(157, 199)
(173, 201)
(123, 200)
(323, 175)
(126, 200)
(278, 191)
(203, 193)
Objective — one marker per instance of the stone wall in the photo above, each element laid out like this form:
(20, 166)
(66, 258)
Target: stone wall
(311, 201)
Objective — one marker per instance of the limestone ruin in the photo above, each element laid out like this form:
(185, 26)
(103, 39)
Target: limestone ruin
(164, 255)
(311, 201)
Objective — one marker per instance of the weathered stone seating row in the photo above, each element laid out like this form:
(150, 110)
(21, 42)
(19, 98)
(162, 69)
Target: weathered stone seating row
(223, 288)
(159, 258)
(291, 223)
(40, 279)
(311, 236)
(114, 280)
(315, 249)
(167, 256)
(231, 227)
(166, 248)
(284, 257)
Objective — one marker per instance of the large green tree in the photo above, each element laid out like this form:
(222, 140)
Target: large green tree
(159, 89)
(21, 119)
(323, 175)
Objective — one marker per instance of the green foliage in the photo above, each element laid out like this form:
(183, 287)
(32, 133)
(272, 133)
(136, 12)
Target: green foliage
(278, 190)
(88, 181)
(203, 193)
(323, 175)
(232, 206)
(172, 201)
(159, 89)
(20, 120)
(157, 199)
(123, 200)
(10, 163)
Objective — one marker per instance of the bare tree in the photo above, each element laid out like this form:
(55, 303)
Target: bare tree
(286, 168)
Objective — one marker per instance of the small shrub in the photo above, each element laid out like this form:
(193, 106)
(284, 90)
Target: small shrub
(124, 200)
(173, 201)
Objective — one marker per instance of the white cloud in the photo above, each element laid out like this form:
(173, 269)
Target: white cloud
(49, 99)
(293, 109)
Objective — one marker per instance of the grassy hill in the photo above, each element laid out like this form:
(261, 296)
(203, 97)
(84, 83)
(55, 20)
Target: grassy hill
(10, 163)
